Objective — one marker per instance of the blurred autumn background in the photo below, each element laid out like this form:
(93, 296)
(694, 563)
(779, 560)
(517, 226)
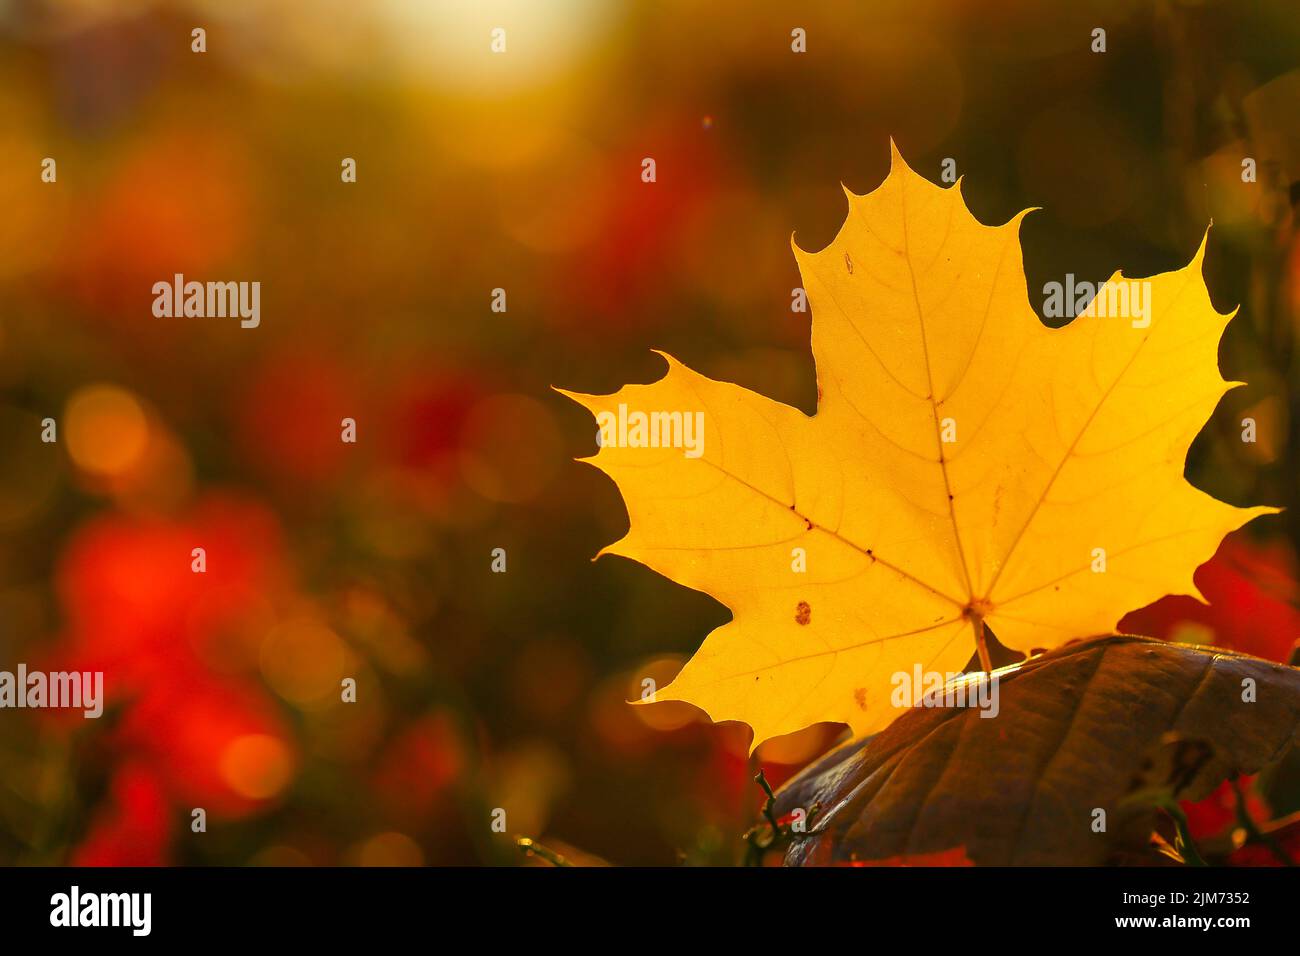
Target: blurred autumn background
(522, 171)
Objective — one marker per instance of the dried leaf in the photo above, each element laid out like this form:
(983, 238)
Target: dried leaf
(1078, 731)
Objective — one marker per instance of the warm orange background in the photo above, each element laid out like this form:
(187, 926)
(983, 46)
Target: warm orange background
(519, 171)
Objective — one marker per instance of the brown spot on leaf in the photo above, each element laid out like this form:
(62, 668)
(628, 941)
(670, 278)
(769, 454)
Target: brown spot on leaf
(803, 613)
(860, 697)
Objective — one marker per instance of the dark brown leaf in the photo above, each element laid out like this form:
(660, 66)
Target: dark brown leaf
(1078, 730)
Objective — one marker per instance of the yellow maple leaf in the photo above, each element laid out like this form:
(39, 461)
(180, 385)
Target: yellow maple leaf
(967, 467)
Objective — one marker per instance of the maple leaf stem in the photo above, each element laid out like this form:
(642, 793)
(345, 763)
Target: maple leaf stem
(761, 780)
(981, 644)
